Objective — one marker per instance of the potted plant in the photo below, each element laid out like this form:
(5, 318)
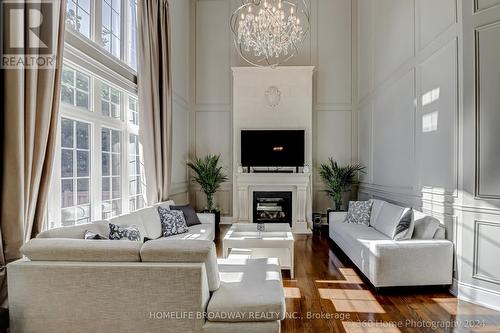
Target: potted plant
(339, 179)
(209, 175)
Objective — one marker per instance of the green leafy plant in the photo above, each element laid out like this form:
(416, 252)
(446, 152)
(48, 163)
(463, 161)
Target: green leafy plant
(339, 179)
(209, 174)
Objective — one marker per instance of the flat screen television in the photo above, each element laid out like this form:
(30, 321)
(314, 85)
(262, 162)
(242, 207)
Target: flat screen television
(272, 148)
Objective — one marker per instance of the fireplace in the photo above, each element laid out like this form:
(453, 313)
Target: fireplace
(272, 207)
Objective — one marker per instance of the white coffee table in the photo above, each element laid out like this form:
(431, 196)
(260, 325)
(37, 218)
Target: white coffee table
(243, 240)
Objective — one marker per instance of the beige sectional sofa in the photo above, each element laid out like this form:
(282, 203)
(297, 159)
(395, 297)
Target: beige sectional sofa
(173, 284)
(425, 259)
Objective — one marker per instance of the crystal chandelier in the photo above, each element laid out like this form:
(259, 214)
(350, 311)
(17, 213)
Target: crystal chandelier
(269, 32)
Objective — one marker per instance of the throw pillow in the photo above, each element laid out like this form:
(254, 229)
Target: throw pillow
(404, 229)
(92, 235)
(359, 212)
(189, 214)
(119, 233)
(172, 222)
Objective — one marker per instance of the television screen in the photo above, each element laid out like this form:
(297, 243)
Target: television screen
(272, 148)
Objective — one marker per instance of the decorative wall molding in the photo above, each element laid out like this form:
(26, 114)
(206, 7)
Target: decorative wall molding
(489, 4)
(477, 239)
(478, 105)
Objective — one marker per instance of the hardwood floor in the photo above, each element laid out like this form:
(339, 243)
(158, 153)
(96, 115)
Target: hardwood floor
(329, 295)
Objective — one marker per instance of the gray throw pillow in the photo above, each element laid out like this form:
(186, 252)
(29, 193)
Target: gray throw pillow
(359, 212)
(404, 229)
(172, 222)
(119, 233)
(189, 214)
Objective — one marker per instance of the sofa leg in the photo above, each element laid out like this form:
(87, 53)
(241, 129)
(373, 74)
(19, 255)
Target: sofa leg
(378, 290)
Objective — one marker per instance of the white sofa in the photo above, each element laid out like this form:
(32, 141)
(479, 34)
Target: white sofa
(425, 259)
(172, 284)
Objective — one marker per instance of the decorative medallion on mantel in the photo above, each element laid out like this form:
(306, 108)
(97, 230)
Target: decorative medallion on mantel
(273, 96)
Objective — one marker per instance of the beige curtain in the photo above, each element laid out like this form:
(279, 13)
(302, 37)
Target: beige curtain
(29, 126)
(155, 96)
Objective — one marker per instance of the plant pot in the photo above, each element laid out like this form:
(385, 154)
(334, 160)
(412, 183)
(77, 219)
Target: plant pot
(217, 216)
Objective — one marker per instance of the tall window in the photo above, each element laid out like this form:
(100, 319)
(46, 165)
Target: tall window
(98, 173)
(75, 172)
(136, 197)
(111, 173)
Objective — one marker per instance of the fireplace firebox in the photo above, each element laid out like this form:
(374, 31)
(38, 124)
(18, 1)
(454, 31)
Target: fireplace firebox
(272, 207)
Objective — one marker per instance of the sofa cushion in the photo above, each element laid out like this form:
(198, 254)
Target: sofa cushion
(146, 219)
(388, 218)
(76, 231)
(359, 212)
(251, 289)
(355, 241)
(200, 232)
(425, 226)
(58, 249)
(192, 251)
(129, 220)
(376, 207)
(189, 214)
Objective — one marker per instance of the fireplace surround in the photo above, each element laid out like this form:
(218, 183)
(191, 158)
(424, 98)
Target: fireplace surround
(272, 207)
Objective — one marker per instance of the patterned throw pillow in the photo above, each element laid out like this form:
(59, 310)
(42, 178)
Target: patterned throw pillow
(92, 235)
(404, 229)
(359, 212)
(172, 222)
(118, 233)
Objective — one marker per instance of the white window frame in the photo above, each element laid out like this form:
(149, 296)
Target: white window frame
(97, 121)
(93, 46)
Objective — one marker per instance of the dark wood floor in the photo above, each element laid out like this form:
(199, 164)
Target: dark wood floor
(329, 295)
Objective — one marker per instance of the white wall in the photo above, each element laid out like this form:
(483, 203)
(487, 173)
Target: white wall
(417, 116)
(180, 15)
(328, 48)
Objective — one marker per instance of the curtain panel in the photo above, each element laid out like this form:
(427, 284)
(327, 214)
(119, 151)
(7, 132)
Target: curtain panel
(30, 108)
(154, 79)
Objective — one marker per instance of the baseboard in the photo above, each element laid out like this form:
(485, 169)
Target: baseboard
(226, 220)
(479, 296)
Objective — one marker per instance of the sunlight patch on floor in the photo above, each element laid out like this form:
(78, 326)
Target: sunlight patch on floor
(350, 277)
(458, 308)
(292, 292)
(349, 300)
(367, 327)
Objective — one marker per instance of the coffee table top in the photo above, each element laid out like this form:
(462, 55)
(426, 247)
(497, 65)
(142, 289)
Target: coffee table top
(248, 231)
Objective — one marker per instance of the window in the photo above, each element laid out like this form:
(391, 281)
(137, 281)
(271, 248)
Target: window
(97, 174)
(75, 88)
(110, 101)
(132, 33)
(75, 172)
(136, 198)
(107, 24)
(78, 16)
(111, 26)
(133, 114)
(111, 173)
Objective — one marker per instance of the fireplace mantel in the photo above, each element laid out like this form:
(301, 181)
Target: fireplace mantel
(253, 109)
